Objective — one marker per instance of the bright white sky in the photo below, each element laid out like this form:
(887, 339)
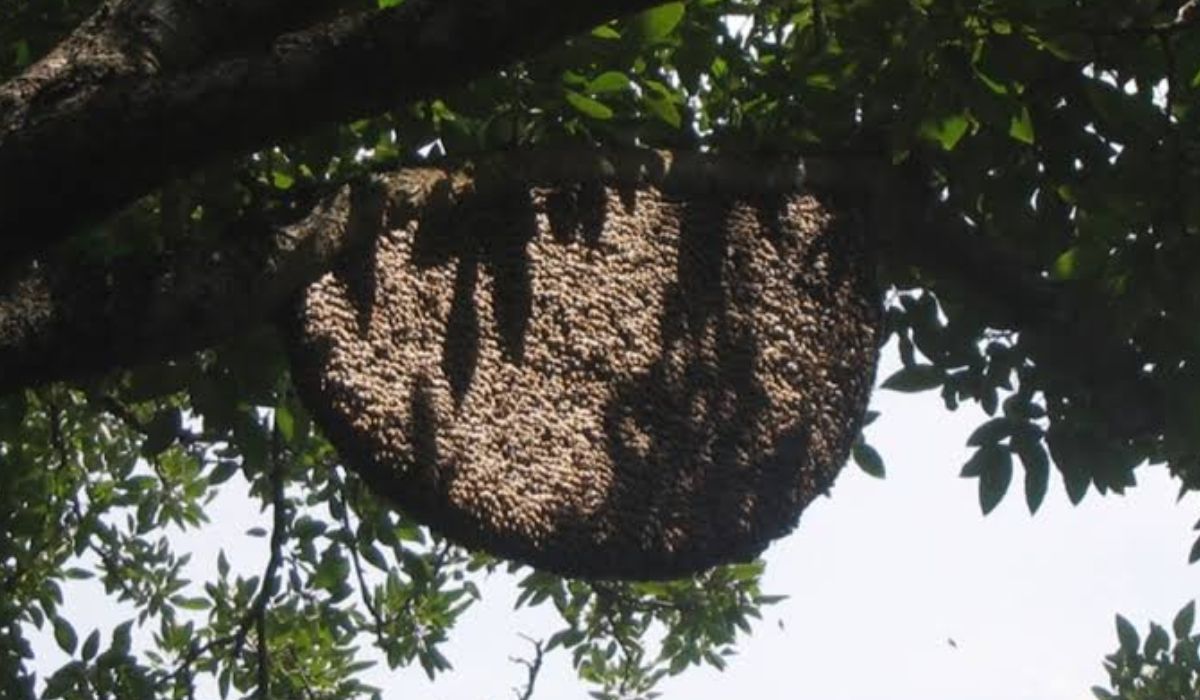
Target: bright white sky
(880, 577)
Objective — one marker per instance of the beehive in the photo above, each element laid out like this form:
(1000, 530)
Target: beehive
(600, 381)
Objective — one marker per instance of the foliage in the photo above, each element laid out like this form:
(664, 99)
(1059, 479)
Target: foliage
(1157, 669)
(1063, 132)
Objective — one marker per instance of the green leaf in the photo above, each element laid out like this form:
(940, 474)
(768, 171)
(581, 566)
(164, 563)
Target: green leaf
(915, 378)
(1128, 636)
(223, 472)
(592, 108)
(947, 131)
(868, 459)
(121, 638)
(1182, 625)
(64, 634)
(282, 180)
(996, 476)
(285, 423)
(1037, 471)
(1021, 127)
(610, 81)
(657, 23)
(90, 645)
(374, 556)
(1078, 262)
(191, 603)
(665, 110)
(161, 431)
(991, 431)
(1157, 641)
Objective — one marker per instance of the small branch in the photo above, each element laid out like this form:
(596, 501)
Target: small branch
(364, 591)
(278, 538)
(532, 668)
(256, 616)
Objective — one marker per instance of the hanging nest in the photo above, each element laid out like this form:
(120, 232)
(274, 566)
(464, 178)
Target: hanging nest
(600, 378)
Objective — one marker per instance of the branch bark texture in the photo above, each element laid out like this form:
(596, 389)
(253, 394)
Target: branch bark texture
(101, 121)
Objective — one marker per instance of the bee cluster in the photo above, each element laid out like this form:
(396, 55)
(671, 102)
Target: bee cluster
(600, 381)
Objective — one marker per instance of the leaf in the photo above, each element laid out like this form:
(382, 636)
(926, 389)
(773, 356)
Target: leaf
(282, 180)
(121, 638)
(991, 432)
(1078, 262)
(868, 459)
(946, 132)
(374, 557)
(285, 423)
(1021, 127)
(1128, 636)
(1077, 482)
(665, 110)
(90, 645)
(992, 464)
(1182, 625)
(915, 378)
(161, 431)
(191, 603)
(657, 23)
(592, 108)
(610, 81)
(1037, 471)
(223, 472)
(1157, 641)
(64, 634)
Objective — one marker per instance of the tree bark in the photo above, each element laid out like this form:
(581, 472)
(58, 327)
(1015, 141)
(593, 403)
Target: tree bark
(98, 123)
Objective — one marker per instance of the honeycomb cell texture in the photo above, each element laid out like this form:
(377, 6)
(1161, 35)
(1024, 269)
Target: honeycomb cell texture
(600, 381)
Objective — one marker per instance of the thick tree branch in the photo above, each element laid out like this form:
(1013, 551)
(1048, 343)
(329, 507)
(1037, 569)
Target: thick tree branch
(118, 135)
(61, 320)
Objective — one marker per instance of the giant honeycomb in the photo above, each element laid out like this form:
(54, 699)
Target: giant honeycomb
(601, 381)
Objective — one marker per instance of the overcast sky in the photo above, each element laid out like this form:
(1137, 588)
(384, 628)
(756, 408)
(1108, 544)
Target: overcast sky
(880, 577)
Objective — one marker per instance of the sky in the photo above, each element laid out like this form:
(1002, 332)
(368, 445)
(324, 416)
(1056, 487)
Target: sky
(880, 577)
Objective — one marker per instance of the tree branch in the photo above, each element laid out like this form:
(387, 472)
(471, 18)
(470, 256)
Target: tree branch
(151, 309)
(116, 136)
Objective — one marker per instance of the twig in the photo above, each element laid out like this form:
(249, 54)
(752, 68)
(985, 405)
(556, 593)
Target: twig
(368, 599)
(532, 668)
(257, 614)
